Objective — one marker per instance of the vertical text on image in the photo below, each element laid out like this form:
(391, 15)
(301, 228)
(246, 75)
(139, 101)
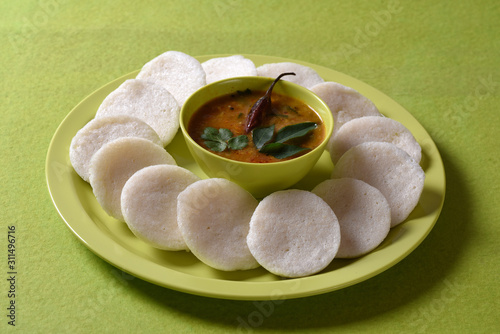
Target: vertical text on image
(11, 275)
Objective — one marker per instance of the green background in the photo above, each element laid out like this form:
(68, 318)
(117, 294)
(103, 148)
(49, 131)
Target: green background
(438, 59)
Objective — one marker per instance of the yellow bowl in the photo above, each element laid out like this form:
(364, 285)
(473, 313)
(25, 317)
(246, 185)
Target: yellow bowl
(260, 179)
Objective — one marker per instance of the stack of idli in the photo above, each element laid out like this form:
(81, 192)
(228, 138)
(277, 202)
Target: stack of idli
(373, 128)
(147, 101)
(367, 146)
(115, 162)
(177, 72)
(132, 126)
(130, 131)
(389, 169)
(344, 102)
(375, 184)
(100, 131)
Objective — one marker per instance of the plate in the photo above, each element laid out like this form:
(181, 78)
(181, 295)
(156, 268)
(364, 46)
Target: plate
(112, 240)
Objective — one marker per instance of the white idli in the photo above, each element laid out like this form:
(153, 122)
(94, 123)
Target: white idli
(389, 169)
(149, 204)
(363, 212)
(344, 102)
(178, 72)
(374, 128)
(293, 233)
(100, 131)
(147, 101)
(115, 162)
(213, 216)
(228, 67)
(304, 75)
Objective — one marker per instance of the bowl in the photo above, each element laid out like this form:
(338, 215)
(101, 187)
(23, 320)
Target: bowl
(260, 179)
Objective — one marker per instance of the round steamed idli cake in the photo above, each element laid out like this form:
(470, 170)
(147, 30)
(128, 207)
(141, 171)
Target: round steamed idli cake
(363, 212)
(344, 102)
(389, 169)
(304, 75)
(115, 162)
(147, 101)
(100, 131)
(374, 128)
(228, 67)
(149, 204)
(178, 72)
(213, 216)
(293, 233)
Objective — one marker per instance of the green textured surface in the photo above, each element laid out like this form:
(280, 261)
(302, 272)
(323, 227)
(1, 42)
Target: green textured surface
(439, 60)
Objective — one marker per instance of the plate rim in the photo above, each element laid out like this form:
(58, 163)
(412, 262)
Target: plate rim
(212, 287)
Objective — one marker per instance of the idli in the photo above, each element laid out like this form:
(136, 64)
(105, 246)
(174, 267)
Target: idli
(293, 233)
(147, 101)
(178, 72)
(344, 102)
(363, 212)
(100, 131)
(389, 169)
(304, 75)
(149, 204)
(214, 216)
(374, 128)
(228, 67)
(115, 162)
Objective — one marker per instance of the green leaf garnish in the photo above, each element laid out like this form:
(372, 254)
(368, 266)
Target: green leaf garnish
(262, 135)
(219, 140)
(210, 134)
(237, 143)
(277, 148)
(217, 146)
(294, 131)
(225, 134)
(281, 151)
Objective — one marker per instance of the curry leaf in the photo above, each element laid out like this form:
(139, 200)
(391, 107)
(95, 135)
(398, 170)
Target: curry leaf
(294, 131)
(280, 150)
(262, 135)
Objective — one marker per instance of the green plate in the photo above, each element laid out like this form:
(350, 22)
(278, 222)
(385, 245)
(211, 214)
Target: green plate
(112, 240)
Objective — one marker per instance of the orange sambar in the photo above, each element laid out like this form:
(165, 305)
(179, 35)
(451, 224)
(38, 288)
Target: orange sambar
(230, 112)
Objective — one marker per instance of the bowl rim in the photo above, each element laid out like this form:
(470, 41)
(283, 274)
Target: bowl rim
(321, 146)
